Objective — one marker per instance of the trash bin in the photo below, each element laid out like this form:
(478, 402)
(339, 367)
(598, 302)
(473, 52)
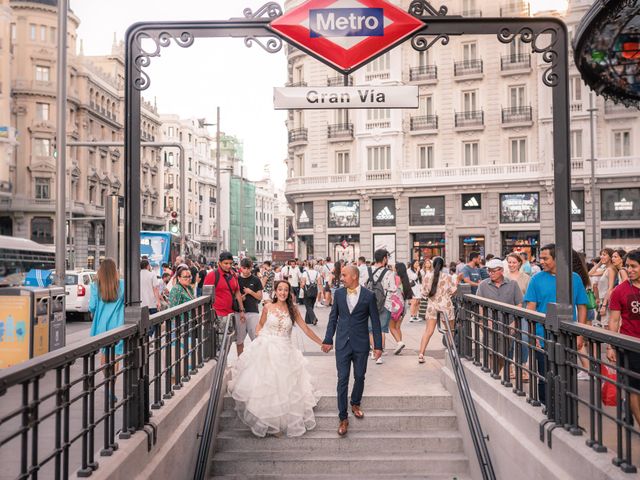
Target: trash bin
(24, 324)
(57, 320)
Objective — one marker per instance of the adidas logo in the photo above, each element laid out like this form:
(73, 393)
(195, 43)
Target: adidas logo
(574, 208)
(304, 218)
(472, 203)
(385, 214)
(428, 211)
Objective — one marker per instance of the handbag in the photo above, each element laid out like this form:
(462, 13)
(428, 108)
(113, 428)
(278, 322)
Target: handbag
(608, 388)
(592, 303)
(311, 288)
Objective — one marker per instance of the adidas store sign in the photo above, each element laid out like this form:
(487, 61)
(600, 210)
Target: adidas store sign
(385, 215)
(304, 218)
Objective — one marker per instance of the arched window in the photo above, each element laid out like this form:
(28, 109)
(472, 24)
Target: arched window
(42, 229)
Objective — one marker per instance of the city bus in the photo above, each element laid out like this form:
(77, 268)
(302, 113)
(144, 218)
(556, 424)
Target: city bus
(159, 248)
(18, 256)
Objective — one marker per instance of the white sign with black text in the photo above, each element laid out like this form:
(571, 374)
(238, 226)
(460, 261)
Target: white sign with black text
(306, 98)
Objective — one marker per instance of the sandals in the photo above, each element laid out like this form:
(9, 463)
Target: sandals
(421, 358)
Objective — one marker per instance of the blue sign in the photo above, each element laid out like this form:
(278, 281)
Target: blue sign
(156, 246)
(346, 22)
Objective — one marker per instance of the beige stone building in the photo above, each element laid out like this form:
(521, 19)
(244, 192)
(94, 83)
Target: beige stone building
(95, 113)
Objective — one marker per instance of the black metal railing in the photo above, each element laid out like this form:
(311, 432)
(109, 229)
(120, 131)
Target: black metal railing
(562, 366)
(60, 411)
(301, 83)
(425, 72)
(226, 328)
(423, 122)
(472, 12)
(337, 81)
(340, 130)
(517, 61)
(471, 118)
(468, 67)
(468, 404)
(298, 135)
(517, 114)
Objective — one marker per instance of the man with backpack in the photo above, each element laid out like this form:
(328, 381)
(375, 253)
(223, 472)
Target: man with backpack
(382, 283)
(228, 298)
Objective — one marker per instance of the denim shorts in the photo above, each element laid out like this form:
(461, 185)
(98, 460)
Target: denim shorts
(385, 318)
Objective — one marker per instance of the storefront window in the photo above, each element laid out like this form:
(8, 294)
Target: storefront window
(305, 215)
(519, 208)
(577, 205)
(426, 211)
(344, 247)
(305, 246)
(384, 212)
(528, 242)
(344, 214)
(471, 201)
(388, 242)
(472, 243)
(627, 238)
(620, 204)
(428, 245)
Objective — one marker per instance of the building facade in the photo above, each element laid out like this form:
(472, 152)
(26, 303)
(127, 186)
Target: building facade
(470, 169)
(266, 207)
(242, 212)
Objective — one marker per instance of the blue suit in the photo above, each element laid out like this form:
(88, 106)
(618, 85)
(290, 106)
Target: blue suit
(352, 342)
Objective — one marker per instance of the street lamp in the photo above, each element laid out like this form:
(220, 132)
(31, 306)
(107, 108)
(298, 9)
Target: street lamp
(218, 207)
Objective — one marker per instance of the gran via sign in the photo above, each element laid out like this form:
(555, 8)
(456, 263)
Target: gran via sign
(301, 98)
(346, 33)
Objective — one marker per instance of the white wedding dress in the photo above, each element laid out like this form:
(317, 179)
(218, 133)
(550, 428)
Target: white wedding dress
(270, 383)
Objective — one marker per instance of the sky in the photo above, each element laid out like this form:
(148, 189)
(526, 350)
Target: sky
(192, 82)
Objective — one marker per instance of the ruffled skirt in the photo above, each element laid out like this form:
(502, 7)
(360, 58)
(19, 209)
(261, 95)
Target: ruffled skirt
(272, 388)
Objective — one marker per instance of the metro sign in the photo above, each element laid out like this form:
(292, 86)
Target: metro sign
(346, 34)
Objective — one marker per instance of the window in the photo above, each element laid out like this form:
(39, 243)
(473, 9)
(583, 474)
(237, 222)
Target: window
(42, 111)
(622, 143)
(342, 162)
(299, 166)
(577, 205)
(342, 116)
(620, 204)
(426, 211)
(41, 147)
(519, 207)
(52, 32)
(43, 33)
(92, 194)
(379, 158)
(380, 64)
(469, 100)
(576, 143)
(33, 31)
(517, 96)
(423, 58)
(384, 212)
(42, 73)
(468, 7)
(518, 150)
(42, 188)
(425, 105)
(517, 47)
(13, 33)
(298, 74)
(425, 156)
(170, 132)
(344, 214)
(576, 89)
(378, 118)
(42, 230)
(304, 215)
(469, 51)
(470, 153)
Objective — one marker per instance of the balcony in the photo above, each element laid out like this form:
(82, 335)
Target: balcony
(168, 186)
(470, 119)
(607, 167)
(468, 68)
(423, 122)
(517, 115)
(338, 81)
(522, 9)
(619, 110)
(370, 76)
(424, 73)
(472, 12)
(378, 176)
(340, 131)
(517, 62)
(298, 136)
(296, 84)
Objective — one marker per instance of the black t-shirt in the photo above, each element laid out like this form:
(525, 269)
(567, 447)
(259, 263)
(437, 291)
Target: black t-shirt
(252, 282)
(194, 273)
(202, 273)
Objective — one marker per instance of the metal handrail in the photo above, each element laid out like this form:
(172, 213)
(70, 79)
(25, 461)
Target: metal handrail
(207, 437)
(477, 434)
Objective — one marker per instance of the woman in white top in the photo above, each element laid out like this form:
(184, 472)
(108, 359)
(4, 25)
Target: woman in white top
(415, 279)
(514, 263)
(615, 275)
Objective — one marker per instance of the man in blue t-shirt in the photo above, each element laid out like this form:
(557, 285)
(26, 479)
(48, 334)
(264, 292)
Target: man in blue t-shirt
(471, 272)
(542, 291)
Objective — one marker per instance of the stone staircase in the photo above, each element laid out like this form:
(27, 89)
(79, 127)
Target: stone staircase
(401, 436)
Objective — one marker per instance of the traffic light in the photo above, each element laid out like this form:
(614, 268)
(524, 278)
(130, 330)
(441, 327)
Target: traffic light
(174, 223)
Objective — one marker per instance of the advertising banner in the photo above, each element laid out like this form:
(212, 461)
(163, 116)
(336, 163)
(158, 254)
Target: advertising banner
(15, 329)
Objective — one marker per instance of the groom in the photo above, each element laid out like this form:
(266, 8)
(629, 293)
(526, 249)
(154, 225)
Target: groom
(353, 306)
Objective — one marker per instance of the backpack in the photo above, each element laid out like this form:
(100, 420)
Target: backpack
(397, 303)
(376, 287)
(311, 288)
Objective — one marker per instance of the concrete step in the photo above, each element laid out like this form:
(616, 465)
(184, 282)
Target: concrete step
(394, 403)
(381, 420)
(295, 463)
(345, 476)
(327, 442)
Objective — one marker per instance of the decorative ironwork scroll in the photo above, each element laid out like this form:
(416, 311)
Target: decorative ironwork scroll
(423, 9)
(161, 40)
(270, 10)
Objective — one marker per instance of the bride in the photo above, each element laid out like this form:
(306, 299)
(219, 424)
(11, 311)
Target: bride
(270, 384)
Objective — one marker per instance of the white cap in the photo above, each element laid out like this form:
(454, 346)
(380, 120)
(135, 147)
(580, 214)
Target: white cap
(495, 263)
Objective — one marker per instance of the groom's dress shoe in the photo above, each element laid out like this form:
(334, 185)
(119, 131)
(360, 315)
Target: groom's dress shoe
(344, 426)
(357, 412)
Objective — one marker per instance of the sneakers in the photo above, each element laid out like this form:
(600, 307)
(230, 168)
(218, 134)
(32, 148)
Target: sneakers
(414, 320)
(399, 348)
(379, 361)
(583, 375)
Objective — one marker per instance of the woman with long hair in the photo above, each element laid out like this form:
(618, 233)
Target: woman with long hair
(604, 271)
(106, 302)
(405, 295)
(515, 273)
(616, 275)
(415, 279)
(270, 383)
(334, 282)
(438, 287)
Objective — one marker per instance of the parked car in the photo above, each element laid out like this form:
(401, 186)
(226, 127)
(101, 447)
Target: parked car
(77, 285)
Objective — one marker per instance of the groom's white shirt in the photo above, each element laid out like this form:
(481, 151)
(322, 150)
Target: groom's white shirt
(352, 299)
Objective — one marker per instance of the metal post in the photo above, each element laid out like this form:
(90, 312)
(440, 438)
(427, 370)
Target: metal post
(241, 236)
(183, 203)
(61, 147)
(218, 187)
(594, 236)
(112, 224)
